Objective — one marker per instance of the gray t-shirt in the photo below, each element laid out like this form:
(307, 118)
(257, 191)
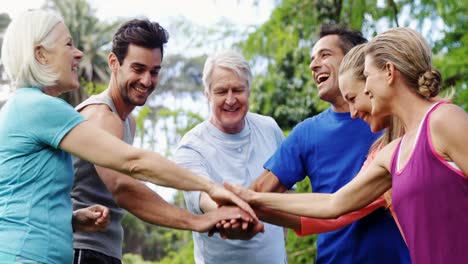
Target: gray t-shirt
(235, 158)
(89, 189)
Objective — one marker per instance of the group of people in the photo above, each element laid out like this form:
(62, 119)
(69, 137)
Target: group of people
(405, 205)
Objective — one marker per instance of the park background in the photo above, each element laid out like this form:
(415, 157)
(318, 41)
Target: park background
(276, 37)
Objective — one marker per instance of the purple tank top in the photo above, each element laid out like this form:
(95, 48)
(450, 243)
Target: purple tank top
(430, 199)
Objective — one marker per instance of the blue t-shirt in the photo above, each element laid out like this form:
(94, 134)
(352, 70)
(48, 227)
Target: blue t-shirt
(36, 177)
(330, 149)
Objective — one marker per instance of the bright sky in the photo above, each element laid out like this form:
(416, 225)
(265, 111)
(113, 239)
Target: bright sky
(202, 12)
(242, 13)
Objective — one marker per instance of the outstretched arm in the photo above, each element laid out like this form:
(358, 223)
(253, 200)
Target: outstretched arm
(361, 191)
(101, 148)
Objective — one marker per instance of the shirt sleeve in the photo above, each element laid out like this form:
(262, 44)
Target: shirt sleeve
(50, 120)
(287, 162)
(190, 159)
(311, 226)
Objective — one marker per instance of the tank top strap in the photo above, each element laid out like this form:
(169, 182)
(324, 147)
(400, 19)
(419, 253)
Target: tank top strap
(104, 98)
(394, 160)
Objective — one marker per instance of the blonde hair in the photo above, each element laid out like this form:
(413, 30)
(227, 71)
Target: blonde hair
(24, 33)
(407, 50)
(353, 62)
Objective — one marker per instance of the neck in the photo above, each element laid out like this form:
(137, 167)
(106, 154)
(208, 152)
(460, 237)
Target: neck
(410, 108)
(340, 105)
(123, 108)
(52, 91)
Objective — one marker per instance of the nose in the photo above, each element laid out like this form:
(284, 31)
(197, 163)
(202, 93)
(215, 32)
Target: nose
(146, 79)
(78, 54)
(230, 99)
(314, 64)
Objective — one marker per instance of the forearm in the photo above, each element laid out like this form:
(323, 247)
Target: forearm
(278, 218)
(103, 149)
(206, 203)
(309, 226)
(152, 167)
(148, 206)
(300, 204)
(268, 182)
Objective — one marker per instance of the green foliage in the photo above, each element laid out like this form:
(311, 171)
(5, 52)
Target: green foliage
(150, 241)
(183, 256)
(130, 258)
(301, 250)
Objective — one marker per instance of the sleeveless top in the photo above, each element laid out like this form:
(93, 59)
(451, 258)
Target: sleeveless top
(430, 198)
(89, 189)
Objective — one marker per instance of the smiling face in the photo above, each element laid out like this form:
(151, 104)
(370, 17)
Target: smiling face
(326, 59)
(360, 105)
(229, 100)
(63, 58)
(377, 88)
(137, 77)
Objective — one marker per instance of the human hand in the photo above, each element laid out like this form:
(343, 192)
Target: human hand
(245, 194)
(207, 221)
(225, 197)
(236, 229)
(91, 219)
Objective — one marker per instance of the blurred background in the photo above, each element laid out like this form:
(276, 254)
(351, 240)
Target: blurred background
(275, 35)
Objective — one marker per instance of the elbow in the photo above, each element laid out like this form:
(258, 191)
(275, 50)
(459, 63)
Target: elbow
(133, 164)
(122, 190)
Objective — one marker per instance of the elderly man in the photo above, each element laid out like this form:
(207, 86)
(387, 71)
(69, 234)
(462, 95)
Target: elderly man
(232, 146)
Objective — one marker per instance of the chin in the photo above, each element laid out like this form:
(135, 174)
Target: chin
(377, 127)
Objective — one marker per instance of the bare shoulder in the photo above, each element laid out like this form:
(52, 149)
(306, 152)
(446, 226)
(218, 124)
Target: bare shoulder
(384, 156)
(101, 115)
(448, 126)
(447, 115)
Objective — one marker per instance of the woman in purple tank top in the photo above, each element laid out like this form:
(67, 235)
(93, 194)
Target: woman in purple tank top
(427, 167)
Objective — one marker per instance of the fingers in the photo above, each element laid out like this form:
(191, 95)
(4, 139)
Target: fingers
(239, 202)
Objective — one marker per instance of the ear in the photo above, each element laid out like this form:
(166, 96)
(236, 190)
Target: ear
(40, 54)
(390, 72)
(113, 62)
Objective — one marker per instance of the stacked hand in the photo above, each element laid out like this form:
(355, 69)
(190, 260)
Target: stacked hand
(223, 196)
(238, 228)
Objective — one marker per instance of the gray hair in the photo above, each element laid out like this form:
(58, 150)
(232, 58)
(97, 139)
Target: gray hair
(25, 32)
(227, 59)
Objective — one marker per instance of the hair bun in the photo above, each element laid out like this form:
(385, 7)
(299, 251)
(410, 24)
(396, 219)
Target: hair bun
(430, 83)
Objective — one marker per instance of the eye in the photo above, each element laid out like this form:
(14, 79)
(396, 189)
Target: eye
(154, 73)
(239, 90)
(138, 70)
